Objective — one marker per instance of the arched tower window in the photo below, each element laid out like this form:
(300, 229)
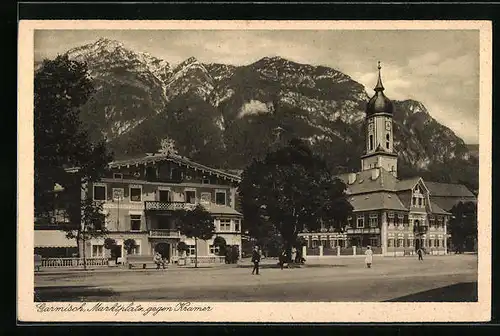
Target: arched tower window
(371, 141)
(387, 140)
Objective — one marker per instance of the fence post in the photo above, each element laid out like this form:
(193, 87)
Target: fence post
(354, 250)
(321, 250)
(338, 251)
(304, 251)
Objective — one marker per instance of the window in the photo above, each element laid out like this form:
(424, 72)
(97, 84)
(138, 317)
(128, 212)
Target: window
(176, 174)
(99, 193)
(387, 143)
(431, 220)
(97, 251)
(431, 243)
(190, 196)
(374, 241)
(315, 243)
(191, 250)
(437, 243)
(390, 242)
(371, 142)
(419, 202)
(205, 180)
(400, 219)
(390, 218)
(220, 197)
(373, 220)
(164, 196)
(237, 223)
(414, 201)
(401, 242)
(135, 222)
(118, 176)
(225, 225)
(408, 242)
(136, 194)
(214, 249)
(360, 223)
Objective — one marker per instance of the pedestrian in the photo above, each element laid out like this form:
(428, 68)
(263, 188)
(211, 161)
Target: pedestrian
(158, 260)
(294, 254)
(369, 256)
(255, 260)
(282, 259)
(420, 253)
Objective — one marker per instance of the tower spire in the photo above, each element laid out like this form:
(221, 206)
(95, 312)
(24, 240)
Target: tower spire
(379, 86)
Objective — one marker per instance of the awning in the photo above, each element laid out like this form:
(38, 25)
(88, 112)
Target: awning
(53, 238)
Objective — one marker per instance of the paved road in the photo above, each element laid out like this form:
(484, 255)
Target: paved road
(443, 278)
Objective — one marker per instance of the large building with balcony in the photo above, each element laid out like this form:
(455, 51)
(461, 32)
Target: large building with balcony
(139, 197)
(394, 216)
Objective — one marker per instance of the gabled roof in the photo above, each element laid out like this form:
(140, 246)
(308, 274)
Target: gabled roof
(448, 203)
(221, 210)
(408, 183)
(376, 201)
(436, 209)
(177, 159)
(448, 190)
(364, 182)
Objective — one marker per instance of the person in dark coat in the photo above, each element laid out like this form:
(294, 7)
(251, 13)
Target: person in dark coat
(255, 260)
(420, 253)
(282, 259)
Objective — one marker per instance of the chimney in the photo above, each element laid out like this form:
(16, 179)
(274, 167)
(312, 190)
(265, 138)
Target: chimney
(351, 178)
(375, 173)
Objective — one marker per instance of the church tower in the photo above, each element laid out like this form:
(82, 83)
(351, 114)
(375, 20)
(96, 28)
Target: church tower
(379, 151)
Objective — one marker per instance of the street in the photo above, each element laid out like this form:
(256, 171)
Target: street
(437, 278)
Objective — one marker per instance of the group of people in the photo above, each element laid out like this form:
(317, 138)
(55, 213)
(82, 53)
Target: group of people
(256, 256)
(159, 260)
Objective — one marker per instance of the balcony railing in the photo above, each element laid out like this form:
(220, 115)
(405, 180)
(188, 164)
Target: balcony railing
(164, 233)
(167, 206)
(363, 230)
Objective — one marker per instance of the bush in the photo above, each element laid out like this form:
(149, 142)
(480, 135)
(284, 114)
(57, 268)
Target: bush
(232, 254)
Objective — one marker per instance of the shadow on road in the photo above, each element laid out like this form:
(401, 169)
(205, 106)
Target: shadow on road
(461, 292)
(267, 266)
(69, 293)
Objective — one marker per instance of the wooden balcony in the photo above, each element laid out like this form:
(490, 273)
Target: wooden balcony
(167, 206)
(164, 233)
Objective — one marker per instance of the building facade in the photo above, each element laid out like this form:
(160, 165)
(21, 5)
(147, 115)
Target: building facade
(394, 216)
(140, 196)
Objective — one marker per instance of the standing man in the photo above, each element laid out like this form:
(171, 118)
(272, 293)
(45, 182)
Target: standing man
(420, 254)
(255, 260)
(369, 257)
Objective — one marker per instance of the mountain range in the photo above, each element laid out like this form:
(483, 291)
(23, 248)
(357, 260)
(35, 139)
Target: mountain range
(224, 115)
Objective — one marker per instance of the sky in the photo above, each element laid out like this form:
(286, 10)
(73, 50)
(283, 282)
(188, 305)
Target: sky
(439, 68)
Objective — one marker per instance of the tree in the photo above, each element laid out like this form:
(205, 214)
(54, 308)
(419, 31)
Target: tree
(92, 225)
(110, 244)
(61, 88)
(293, 189)
(197, 224)
(220, 242)
(463, 225)
(129, 245)
(182, 247)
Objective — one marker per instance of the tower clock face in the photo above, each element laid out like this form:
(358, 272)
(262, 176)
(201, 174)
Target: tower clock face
(388, 125)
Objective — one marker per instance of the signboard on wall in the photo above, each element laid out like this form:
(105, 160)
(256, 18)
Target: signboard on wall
(205, 198)
(118, 194)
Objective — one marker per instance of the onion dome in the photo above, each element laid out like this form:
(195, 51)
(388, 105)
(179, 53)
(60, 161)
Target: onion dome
(379, 103)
